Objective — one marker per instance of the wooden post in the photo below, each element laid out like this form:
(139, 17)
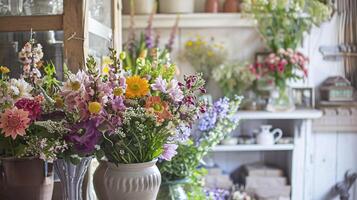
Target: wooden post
(74, 37)
(116, 21)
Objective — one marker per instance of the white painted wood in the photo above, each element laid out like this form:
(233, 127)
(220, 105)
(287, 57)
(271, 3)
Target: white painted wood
(196, 20)
(254, 147)
(297, 114)
(346, 157)
(99, 29)
(324, 168)
(298, 161)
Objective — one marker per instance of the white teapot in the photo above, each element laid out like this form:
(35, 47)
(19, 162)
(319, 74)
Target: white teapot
(265, 137)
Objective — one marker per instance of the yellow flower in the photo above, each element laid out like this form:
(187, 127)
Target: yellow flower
(75, 85)
(107, 61)
(4, 70)
(94, 107)
(136, 87)
(189, 43)
(105, 70)
(210, 53)
(59, 102)
(117, 91)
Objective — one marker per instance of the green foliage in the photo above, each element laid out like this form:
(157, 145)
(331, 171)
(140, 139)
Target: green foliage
(233, 78)
(138, 140)
(50, 83)
(190, 154)
(283, 23)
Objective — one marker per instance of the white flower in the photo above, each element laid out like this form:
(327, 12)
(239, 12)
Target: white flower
(19, 88)
(174, 91)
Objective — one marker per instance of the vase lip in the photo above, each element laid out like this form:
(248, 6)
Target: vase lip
(130, 165)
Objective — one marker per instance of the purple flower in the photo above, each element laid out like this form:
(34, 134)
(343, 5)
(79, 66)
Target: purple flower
(174, 91)
(159, 85)
(183, 133)
(169, 151)
(118, 104)
(221, 107)
(207, 121)
(84, 136)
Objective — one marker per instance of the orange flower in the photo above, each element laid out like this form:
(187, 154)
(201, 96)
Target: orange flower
(136, 87)
(14, 122)
(159, 108)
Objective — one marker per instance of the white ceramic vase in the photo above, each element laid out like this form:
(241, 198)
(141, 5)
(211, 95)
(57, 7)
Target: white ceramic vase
(141, 6)
(139, 181)
(176, 6)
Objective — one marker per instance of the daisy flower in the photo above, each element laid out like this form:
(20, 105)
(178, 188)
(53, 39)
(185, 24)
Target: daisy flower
(14, 122)
(136, 87)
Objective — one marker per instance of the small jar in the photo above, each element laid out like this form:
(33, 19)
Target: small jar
(212, 6)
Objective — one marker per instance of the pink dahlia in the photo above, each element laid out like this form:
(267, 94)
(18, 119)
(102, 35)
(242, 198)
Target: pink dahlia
(14, 122)
(32, 106)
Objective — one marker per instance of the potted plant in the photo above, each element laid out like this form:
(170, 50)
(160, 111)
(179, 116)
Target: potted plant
(174, 6)
(281, 67)
(144, 107)
(182, 177)
(27, 143)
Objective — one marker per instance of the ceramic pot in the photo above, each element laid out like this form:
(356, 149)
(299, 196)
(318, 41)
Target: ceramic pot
(140, 6)
(212, 6)
(71, 177)
(25, 178)
(139, 181)
(175, 6)
(230, 6)
(267, 137)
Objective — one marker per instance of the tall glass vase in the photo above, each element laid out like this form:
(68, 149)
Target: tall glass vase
(71, 177)
(281, 100)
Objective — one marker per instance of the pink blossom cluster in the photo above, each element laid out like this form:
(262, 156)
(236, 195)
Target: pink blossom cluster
(284, 64)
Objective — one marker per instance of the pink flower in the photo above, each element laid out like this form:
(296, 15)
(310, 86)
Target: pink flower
(14, 122)
(169, 151)
(33, 107)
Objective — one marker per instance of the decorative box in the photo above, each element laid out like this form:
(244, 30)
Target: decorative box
(336, 88)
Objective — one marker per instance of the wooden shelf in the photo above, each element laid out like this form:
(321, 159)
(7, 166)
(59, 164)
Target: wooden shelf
(253, 147)
(196, 20)
(297, 114)
(26, 23)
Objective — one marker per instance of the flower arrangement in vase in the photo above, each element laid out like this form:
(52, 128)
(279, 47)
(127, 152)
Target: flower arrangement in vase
(214, 125)
(283, 66)
(283, 23)
(28, 145)
(143, 116)
(204, 55)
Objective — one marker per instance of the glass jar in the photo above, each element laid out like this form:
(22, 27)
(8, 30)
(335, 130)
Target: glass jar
(281, 100)
(173, 190)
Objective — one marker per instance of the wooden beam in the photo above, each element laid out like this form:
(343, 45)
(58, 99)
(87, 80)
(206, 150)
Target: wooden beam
(74, 37)
(25, 23)
(116, 23)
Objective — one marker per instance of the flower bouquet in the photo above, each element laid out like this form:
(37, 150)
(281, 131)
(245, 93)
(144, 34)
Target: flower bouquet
(204, 55)
(147, 113)
(283, 66)
(283, 23)
(183, 170)
(28, 142)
